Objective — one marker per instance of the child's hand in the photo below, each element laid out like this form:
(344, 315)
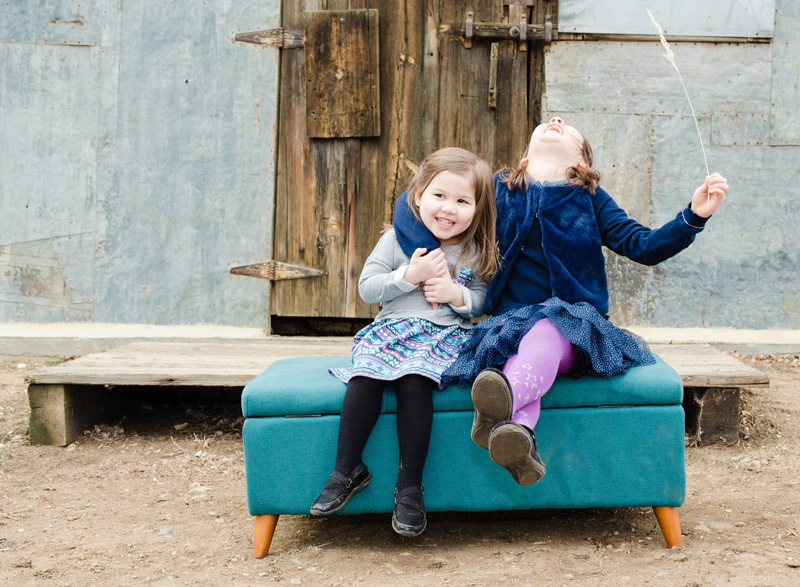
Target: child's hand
(423, 268)
(443, 290)
(708, 197)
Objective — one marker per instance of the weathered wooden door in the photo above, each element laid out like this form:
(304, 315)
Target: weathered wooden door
(360, 108)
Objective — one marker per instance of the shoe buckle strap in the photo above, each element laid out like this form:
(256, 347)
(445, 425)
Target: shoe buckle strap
(398, 495)
(346, 481)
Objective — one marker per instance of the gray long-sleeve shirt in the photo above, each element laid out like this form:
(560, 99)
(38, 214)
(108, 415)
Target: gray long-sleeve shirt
(382, 282)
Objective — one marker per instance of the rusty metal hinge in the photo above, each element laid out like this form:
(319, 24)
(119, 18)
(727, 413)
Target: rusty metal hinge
(280, 38)
(276, 271)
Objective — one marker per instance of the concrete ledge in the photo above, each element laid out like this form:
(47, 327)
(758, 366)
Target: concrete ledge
(68, 339)
(748, 342)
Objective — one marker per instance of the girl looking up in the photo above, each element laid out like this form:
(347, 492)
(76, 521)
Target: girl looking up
(549, 298)
(427, 303)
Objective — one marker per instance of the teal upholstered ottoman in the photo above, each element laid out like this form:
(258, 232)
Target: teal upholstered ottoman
(606, 443)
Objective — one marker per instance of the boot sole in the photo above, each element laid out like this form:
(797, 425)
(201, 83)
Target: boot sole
(406, 530)
(511, 449)
(492, 400)
(364, 484)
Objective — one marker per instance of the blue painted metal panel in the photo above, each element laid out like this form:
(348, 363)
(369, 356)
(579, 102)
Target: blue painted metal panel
(135, 172)
(192, 159)
(688, 18)
(635, 78)
(57, 22)
(48, 155)
(742, 271)
(785, 113)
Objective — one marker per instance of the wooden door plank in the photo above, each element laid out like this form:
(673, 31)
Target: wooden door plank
(341, 66)
(512, 98)
(308, 218)
(465, 119)
(335, 194)
(295, 186)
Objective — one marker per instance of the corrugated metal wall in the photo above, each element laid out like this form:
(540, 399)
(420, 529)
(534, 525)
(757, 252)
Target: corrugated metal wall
(136, 161)
(137, 147)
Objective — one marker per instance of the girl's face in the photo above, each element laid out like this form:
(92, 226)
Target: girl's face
(447, 206)
(557, 143)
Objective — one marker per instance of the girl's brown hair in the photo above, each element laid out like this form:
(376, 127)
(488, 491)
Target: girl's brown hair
(588, 177)
(481, 231)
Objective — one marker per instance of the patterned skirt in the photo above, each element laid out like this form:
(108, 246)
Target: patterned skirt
(389, 349)
(607, 349)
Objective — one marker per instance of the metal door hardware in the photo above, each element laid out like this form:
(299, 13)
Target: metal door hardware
(521, 31)
(280, 38)
(276, 271)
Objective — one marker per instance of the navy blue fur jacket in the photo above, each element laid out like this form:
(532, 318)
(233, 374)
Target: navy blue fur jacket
(575, 225)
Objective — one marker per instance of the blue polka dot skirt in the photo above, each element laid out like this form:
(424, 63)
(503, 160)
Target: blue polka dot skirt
(607, 349)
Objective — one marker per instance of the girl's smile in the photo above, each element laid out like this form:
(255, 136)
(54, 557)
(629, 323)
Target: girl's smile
(556, 127)
(447, 206)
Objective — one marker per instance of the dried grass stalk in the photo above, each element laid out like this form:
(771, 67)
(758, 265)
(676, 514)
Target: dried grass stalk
(671, 58)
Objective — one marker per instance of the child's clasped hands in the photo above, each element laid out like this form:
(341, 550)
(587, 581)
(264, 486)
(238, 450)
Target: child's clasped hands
(431, 271)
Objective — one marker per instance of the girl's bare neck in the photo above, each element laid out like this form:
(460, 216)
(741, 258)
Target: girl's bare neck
(545, 171)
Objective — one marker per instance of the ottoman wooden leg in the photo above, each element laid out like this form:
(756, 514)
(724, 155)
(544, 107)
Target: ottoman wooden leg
(265, 528)
(670, 524)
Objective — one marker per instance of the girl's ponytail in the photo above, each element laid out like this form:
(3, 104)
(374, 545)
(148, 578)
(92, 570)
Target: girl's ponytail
(515, 179)
(588, 177)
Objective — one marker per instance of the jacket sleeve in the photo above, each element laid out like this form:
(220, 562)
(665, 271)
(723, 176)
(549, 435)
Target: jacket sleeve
(382, 276)
(627, 237)
(474, 298)
(410, 232)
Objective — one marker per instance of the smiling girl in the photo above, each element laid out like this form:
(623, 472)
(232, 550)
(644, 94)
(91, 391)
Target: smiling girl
(427, 303)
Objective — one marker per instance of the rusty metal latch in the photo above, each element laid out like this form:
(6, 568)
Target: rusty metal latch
(276, 271)
(522, 31)
(280, 38)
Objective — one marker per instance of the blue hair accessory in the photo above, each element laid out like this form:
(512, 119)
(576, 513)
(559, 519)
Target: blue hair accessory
(465, 276)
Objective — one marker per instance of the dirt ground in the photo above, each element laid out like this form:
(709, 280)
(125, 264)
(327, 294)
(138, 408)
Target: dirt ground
(158, 498)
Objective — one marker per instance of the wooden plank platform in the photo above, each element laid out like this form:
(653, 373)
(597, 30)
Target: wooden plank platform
(64, 398)
(204, 364)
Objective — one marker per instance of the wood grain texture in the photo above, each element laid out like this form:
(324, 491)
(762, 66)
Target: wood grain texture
(512, 99)
(712, 414)
(235, 364)
(341, 67)
(334, 195)
(702, 365)
(186, 364)
(60, 413)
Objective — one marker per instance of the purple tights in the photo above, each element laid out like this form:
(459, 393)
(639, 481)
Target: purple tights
(542, 354)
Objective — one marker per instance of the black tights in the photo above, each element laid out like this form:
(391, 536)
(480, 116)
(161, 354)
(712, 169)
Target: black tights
(360, 411)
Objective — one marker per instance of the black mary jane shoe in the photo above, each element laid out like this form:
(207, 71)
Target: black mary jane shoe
(339, 489)
(491, 395)
(513, 447)
(409, 518)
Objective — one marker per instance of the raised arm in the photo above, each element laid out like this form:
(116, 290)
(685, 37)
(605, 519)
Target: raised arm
(629, 238)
